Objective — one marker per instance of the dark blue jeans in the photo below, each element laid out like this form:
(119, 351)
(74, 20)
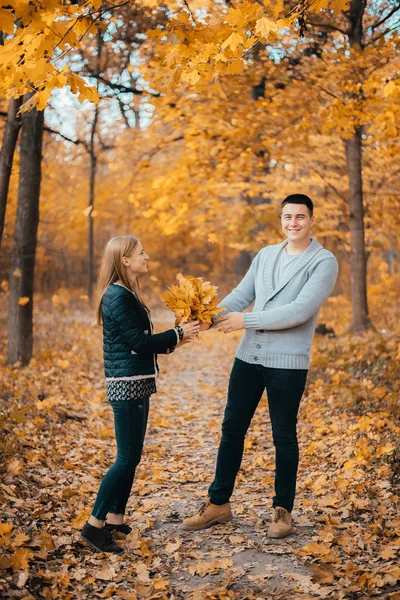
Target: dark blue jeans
(130, 419)
(247, 383)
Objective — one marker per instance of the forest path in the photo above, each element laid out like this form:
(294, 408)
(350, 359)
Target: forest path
(58, 441)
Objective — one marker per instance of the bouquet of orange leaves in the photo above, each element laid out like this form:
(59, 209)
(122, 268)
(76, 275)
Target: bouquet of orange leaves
(192, 300)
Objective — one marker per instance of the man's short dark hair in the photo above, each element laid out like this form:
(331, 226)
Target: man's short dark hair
(299, 199)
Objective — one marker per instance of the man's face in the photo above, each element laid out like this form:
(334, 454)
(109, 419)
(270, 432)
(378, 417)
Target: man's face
(296, 222)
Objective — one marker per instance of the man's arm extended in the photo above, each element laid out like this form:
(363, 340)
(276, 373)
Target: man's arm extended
(308, 302)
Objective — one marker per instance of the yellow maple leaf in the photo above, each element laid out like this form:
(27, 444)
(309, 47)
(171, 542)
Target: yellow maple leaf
(264, 26)
(20, 559)
(191, 77)
(233, 41)
(5, 528)
(277, 7)
(23, 301)
(315, 549)
(160, 583)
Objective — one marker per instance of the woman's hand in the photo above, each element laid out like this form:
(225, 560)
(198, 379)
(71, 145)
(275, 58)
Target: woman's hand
(231, 322)
(190, 331)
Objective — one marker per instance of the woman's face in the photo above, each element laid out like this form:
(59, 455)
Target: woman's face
(136, 263)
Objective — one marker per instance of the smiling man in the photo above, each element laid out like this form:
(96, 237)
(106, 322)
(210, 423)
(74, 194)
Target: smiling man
(288, 282)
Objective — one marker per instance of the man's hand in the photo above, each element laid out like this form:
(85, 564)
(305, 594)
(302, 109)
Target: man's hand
(231, 322)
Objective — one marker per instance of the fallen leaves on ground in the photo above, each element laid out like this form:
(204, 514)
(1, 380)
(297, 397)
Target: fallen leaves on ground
(57, 441)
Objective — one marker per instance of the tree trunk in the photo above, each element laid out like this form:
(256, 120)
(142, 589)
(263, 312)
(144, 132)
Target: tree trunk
(92, 185)
(92, 180)
(20, 313)
(10, 137)
(358, 258)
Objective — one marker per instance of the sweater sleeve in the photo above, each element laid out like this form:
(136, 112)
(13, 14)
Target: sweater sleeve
(308, 302)
(243, 294)
(131, 331)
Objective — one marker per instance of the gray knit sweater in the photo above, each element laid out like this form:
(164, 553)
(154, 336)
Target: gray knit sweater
(280, 329)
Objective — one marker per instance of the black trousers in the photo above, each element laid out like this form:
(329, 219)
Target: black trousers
(285, 388)
(130, 422)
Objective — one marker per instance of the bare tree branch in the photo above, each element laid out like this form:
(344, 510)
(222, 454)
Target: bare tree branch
(384, 19)
(123, 113)
(385, 32)
(124, 89)
(327, 26)
(64, 137)
(67, 139)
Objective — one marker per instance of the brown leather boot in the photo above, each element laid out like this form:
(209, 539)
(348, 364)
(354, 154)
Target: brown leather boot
(208, 515)
(281, 525)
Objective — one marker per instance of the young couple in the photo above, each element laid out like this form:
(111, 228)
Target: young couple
(288, 282)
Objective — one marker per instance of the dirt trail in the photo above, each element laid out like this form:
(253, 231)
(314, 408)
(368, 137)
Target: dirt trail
(182, 446)
(58, 442)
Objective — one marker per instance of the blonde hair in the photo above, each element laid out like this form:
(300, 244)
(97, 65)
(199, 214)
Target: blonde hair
(112, 269)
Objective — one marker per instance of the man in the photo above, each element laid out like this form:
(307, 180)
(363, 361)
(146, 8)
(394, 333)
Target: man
(289, 282)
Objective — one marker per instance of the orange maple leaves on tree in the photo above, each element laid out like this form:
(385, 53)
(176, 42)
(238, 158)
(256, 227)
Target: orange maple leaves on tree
(37, 37)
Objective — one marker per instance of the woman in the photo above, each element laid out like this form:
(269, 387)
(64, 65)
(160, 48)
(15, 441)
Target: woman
(130, 360)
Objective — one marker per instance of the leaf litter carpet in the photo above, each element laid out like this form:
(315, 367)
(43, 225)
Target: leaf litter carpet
(57, 442)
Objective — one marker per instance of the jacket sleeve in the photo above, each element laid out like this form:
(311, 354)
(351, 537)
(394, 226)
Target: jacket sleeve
(243, 294)
(128, 325)
(308, 302)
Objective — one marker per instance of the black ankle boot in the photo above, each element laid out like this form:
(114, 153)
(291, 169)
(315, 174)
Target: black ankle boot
(122, 528)
(100, 539)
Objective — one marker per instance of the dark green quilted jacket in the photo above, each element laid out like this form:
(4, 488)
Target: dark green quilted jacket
(129, 344)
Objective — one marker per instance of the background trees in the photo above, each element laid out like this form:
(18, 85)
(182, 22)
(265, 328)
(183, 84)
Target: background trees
(205, 118)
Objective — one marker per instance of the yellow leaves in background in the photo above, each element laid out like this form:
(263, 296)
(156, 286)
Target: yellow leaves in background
(391, 89)
(28, 57)
(65, 78)
(227, 36)
(7, 21)
(193, 299)
(23, 301)
(337, 6)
